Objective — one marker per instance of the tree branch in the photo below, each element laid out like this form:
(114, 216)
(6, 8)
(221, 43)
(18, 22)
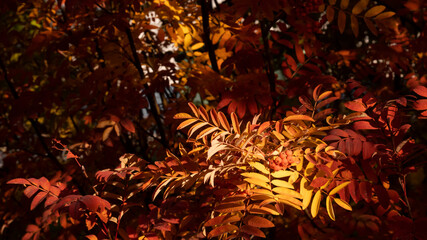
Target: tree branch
(150, 97)
(206, 35)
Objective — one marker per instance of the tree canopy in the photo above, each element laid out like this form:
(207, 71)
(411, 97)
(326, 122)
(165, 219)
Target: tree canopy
(165, 119)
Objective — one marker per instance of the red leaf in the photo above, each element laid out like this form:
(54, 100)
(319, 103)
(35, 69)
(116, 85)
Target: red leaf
(420, 104)
(241, 109)
(299, 53)
(383, 196)
(44, 183)
(318, 182)
(37, 199)
(252, 231)
(421, 90)
(93, 203)
(368, 150)
(363, 125)
(365, 190)
(30, 191)
(224, 102)
(353, 188)
(19, 181)
(356, 105)
(340, 133)
(128, 125)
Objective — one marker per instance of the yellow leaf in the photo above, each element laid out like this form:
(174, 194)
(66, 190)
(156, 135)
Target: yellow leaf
(260, 167)
(279, 136)
(374, 11)
(306, 198)
(281, 183)
(256, 176)
(359, 7)
(197, 46)
(343, 204)
(281, 174)
(339, 187)
(257, 182)
(187, 41)
(287, 191)
(315, 204)
(344, 4)
(341, 21)
(329, 208)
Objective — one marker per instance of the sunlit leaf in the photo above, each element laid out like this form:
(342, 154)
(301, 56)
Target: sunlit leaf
(329, 208)
(315, 204)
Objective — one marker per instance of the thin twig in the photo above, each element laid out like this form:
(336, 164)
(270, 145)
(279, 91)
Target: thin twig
(150, 97)
(206, 35)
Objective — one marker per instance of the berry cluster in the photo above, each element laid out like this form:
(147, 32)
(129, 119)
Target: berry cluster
(283, 161)
(306, 7)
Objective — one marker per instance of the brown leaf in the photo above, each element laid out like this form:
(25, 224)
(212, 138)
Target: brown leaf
(341, 21)
(252, 231)
(259, 222)
(344, 4)
(221, 220)
(359, 7)
(354, 25)
(330, 12)
(221, 230)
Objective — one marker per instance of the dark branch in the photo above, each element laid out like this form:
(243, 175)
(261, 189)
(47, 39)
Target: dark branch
(150, 97)
(206, 35)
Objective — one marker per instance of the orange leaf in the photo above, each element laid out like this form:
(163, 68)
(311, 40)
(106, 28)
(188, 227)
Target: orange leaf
(38, 199)
(194, 109)
(374, 11)
(298, 117)
(384, 15)
(223, 121)
(344, 4)
(19, 181)
(359, 7)
(187, 123)
(182, 116)
(421, 90)
(204, 114)
(256, 221)
(221, 230)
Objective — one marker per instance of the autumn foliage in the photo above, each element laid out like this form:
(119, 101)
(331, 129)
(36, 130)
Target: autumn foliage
(167, 119)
